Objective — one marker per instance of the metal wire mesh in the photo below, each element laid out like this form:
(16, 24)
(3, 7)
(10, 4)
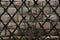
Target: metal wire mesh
(29, 20)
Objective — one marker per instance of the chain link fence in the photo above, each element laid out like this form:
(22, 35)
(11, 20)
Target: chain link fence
(29, 19)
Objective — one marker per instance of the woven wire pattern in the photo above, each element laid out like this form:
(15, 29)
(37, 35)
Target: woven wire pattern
(33, 23)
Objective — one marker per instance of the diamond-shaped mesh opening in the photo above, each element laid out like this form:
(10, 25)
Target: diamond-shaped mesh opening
(58, 10)
(4, 3)
(29, 19)
(47, 10)
(5, 18)
(1, 10)
(11, 11)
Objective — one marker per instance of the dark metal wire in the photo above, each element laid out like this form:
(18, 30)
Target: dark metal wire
(30, 33)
